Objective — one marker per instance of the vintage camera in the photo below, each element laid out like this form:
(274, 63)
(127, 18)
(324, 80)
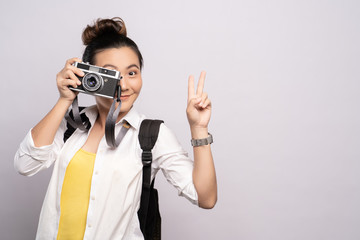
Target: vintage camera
(97, 80)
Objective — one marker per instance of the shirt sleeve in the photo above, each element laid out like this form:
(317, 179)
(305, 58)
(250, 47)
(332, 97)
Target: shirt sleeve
(30, 159)
(175, 164)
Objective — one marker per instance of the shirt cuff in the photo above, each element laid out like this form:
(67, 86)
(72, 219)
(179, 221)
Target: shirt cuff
(27, 147)
(189, 192)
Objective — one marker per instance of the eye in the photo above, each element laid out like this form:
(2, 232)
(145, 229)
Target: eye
(132, 73)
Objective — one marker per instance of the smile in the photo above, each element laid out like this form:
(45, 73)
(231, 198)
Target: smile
(124, 97)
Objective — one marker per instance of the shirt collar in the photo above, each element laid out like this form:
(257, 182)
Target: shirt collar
(132, 117)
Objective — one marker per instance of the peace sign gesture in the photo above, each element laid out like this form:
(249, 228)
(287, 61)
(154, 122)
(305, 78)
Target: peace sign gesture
(199, 106)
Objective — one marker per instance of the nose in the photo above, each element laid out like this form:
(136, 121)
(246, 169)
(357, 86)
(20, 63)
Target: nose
(123, 83)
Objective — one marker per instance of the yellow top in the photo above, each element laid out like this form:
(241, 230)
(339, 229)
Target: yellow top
(75, 195)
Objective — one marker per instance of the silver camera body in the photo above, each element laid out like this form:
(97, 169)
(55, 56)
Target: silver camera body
(97, 81)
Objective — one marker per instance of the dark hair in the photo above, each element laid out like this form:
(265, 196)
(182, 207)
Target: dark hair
(105, 34)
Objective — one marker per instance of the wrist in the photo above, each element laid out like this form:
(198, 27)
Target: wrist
(199, 132)
(66, 103)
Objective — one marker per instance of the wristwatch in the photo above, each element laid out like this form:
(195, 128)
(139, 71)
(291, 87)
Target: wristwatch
(203, 141)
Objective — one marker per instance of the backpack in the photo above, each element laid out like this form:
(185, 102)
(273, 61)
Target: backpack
(148, 214)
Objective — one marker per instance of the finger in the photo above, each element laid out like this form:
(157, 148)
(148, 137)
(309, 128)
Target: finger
(71, 75)
(203, 98)
(76, 70)
(207, 103)
(68, 82)
(191, 88)
(72, 60)
(201, 83)
(193, 103)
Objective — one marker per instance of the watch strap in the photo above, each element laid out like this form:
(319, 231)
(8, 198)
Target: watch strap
(202, 141)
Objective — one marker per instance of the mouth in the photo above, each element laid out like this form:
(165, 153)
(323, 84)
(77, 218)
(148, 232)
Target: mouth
(124, 97)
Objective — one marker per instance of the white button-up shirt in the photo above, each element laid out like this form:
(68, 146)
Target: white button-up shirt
(117, 177)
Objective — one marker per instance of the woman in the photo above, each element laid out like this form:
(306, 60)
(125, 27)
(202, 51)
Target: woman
(94, 191)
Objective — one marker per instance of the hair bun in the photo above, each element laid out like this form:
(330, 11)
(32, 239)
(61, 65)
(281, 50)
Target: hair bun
(103, 27)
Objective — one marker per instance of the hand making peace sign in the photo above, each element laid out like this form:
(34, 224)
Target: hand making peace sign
(199, 106)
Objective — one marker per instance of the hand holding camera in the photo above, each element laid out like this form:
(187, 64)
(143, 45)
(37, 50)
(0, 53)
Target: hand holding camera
(68, 77)
(96, 80)
(77, 77)
(82, 77)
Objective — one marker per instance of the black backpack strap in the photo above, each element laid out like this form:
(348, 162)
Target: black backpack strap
(148, 134)
(70, 128)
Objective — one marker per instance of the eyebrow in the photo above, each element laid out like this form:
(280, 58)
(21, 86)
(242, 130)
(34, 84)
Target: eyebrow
(112, 66)
(109, 65)
(133, 65)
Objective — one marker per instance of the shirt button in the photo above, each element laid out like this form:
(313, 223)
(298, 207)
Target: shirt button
(89, 226)
(92, 198)
(96, 172)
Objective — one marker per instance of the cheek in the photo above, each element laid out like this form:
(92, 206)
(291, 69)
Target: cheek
(137, 85)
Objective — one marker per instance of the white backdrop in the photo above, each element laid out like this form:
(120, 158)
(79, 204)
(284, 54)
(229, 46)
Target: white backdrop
(283, 77)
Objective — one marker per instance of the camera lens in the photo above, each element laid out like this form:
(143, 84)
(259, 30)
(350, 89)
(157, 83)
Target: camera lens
(92, 82)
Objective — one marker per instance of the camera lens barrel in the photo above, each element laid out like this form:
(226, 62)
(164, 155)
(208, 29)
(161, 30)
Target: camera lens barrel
(92, 82)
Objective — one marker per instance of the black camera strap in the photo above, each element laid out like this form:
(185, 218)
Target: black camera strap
(111, 121)
(111, 140)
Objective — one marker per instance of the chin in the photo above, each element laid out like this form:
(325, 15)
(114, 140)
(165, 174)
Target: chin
(125, 107)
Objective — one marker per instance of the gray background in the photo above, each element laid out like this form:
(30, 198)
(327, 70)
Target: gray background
(283, 77)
